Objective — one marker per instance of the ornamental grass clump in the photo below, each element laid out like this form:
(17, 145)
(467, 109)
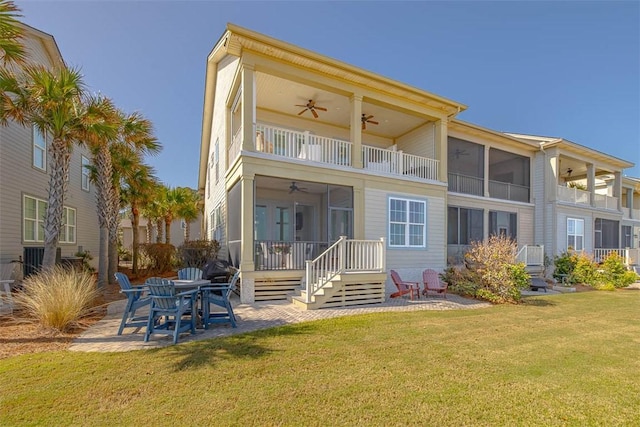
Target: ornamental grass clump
(57, 298)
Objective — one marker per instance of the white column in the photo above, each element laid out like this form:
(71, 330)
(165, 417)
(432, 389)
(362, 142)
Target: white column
(246, 234)
(440, 147)
(355, 134)
(591, 183)
(248, 108)
(617, 189)
(485, 178)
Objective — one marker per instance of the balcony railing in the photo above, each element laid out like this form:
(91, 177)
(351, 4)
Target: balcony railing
(573, 195)
(606, 202)
(286, 255)
(398, 163)
(236, 145)
(465, 184)
(302, 145)
(508, 191)
(630, 256)
(531, 255)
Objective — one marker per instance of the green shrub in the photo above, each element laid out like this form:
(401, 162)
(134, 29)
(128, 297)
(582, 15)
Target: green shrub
(564, 265)
(613, 271)
(160, 255)
(86, 257)
(461, 281)
(57, 298)
(196, 253)
(584, 270)
(499, 278)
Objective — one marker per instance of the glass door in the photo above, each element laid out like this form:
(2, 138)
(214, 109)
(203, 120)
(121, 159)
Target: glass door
(340, 223)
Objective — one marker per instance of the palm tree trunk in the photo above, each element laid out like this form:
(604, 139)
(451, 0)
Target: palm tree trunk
(187, 231)
(114, 211)
(104, 189)
(59, 159)
(159, 224)
(167, 231)
(135, 223)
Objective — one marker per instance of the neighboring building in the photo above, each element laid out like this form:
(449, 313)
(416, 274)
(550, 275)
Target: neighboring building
(299, 149)
(24, 184)
(148, 234)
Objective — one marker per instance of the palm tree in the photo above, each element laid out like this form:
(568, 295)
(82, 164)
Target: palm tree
(138, 187)
(51, 100)
(102, 124)
(136, 133)
(189, 209)
(11, 47)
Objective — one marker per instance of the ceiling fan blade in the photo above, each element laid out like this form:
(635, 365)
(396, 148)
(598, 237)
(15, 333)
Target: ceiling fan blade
(300, 105)
(369, 118)
(320, 108)
(364, 126)
(313, 111)
(372, 122)
(302, 111)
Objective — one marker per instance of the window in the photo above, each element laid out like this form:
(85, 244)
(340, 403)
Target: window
(39, 149)
(464, 226)
(208, 184)
(33, 214)
(575, 234)
(407, 223)
(627, 242)
(85, 173)
(68, 229)
(34, 211)
(606, 234)
(503, 224)
(216, 223)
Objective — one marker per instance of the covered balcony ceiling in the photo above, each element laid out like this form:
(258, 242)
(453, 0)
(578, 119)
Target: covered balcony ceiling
(282, 95)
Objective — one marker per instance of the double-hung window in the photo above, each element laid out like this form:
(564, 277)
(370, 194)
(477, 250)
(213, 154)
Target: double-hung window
(216, 223)
(39, 149)
(575, 234)
(68, 229)
(407, 223)
(33, 213)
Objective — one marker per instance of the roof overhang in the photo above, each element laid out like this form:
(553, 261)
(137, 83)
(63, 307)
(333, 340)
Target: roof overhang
(491, 135)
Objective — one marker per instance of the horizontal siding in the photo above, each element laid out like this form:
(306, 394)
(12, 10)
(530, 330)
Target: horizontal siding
(419, 142)
(408, 262)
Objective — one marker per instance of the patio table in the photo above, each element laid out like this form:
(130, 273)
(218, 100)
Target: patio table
(183, 285)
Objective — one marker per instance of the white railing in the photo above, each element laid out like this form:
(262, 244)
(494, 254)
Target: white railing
(573, 195)
(626, 213)
(466, 184)
(606, 202)
(302, 145)
(635, 213)
(531, 255)
(343, 256)
(599, 254)
(398, 163)
(236, 146)
(508, 191)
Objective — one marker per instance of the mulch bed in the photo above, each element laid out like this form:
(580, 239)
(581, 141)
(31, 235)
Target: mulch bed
(21, 336)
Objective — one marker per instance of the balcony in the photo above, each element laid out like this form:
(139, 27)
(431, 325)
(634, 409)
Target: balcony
(305, 146)
(465, 184)
(631, 213)
(606, 202)
(508, 191)
(573, 195)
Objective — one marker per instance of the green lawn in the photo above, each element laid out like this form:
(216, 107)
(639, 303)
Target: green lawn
(557, 360)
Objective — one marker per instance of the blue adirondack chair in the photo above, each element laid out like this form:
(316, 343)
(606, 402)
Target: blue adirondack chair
(218, 295)
(189, 273)
(172, 307)
(135, 300)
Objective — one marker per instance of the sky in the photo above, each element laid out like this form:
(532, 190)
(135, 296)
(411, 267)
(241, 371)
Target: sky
(566, 69)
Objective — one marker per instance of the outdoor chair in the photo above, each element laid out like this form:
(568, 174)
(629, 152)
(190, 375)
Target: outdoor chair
(172, 307)
(404, 287)
(218, 295)
(136, 299)
(432, 283)
(189, 273)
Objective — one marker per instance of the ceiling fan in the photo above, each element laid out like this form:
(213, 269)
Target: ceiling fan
(367, 119)
(293, 188)
(460, 152)
(311, 106)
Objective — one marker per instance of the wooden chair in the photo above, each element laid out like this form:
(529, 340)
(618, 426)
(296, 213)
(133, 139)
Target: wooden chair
(432, 283)
(172, 307)
(136, 299)
(219, 294)
(189, 273)
(404, 287)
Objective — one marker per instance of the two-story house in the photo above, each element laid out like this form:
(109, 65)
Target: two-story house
(317, 172)
(24, 184)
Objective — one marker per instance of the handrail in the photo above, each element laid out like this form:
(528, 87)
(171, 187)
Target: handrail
(399, 163)
(343, 256)
(531, 255)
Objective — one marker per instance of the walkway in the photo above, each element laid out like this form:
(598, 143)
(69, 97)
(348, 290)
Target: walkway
(101, 337)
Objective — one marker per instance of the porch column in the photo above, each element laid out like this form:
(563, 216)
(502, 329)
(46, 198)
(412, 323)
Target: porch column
(630, 202)
(248, 111)
(591, 183)
(552, 172)
(246, 234)
(440, 149)
(617, 189)
(358, 212)
(355, 128)
(485, 174)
